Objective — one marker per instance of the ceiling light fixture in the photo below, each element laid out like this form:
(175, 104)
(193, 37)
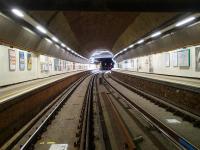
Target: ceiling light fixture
(41, 29)
(140, 41)
(187, 20)
(156, 34)
(54, 39)
(124, 49)
(131, 46)
(63, 45)
(48, 40)
(18, 12)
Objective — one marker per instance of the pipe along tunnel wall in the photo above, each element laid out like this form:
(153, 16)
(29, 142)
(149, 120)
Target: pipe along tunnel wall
(17, 112)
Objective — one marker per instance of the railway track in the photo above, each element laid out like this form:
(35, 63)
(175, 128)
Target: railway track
(84, 133)
(179, 141)
(32, 132)
(94, 114)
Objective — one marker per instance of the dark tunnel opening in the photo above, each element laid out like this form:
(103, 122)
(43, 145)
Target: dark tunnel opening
(106, 63)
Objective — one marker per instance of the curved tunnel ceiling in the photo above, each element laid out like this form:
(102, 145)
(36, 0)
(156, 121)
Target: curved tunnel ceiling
(87, 31)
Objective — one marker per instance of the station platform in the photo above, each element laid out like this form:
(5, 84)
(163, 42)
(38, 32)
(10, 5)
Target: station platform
(189, 82)
(11, 91)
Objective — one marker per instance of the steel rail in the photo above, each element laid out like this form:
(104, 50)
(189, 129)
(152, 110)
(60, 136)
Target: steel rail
(168, 132)
(68, 92)
(186, 115)
(86, 134)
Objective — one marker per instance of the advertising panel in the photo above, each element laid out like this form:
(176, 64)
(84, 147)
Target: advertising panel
(150, 63)
(167, 59)
(175, 59)
(56, 64)
(197, 58)
(21, 61)
(12, 59)
(29, 61)
(184, 58)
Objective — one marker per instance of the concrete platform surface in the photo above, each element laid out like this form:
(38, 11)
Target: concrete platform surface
(172, 79)
(12, 91)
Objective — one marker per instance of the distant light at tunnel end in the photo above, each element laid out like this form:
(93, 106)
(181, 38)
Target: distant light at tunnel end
(17, 12)
(187, 20)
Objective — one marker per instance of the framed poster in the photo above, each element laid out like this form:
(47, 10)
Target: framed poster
(150, 63)
(184, 58)
(29, 61)
(12, 59)
(167, 59)
(56, 64)
(197, 58)
(21, 61)
(175, 59)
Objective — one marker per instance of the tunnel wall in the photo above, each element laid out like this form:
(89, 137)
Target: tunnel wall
(41, 66)
(23, 36)
(160, 64)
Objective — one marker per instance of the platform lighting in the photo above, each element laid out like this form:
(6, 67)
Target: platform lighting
(41, 29)
(18, 12)
(131, 46)
(156, 34)
(125, 49)
(63, 45)
(140, 41)
(187, 20)
(54, 39)
(48, 40)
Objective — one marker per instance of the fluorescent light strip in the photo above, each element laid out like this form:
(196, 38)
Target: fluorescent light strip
(41, 29)
(63, 45)
(124, 49)
(140, 41)
(18, 12)
(31, 21)
(187, 20)
(131, 46)
(54, 39)
(48, 40)
(156, 34)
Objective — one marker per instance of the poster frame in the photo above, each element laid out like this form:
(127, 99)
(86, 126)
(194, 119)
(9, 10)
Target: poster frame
(175, 59)
(29, 61)
(167, 59)
(21, 63)
(181, 51)
(12, 67)
(197, 59)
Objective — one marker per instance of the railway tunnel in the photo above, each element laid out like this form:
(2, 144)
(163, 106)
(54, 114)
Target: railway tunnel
(105, 75)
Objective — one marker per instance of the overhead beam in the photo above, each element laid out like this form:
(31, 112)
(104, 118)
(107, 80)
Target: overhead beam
(104, 5)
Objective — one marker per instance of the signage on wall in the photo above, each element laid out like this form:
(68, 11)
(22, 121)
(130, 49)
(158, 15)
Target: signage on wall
(12, 59)
(184, 58)
(56, 64)
(150, 63)
(197, 58)
(21, 61)
(175, 59)
(167, 59)
(29, 61)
